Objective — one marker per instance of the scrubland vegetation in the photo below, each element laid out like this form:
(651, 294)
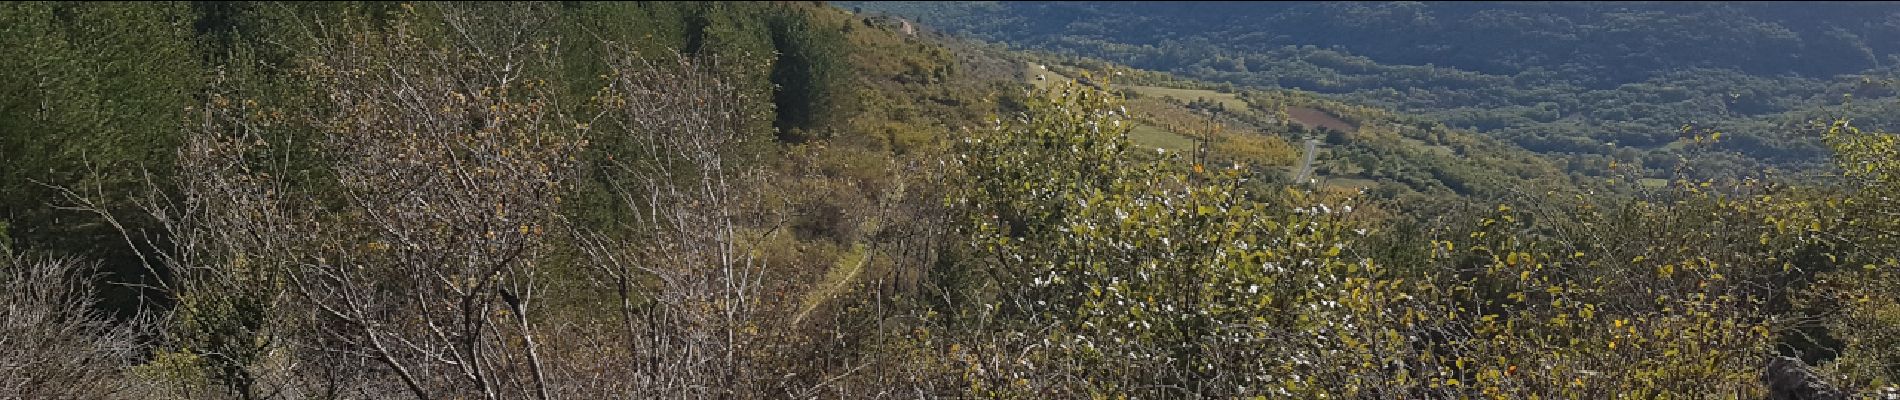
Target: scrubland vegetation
(796, 200)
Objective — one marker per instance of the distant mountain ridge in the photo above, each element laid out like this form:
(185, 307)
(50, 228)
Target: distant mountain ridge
(1622, 41)
(1593, 83)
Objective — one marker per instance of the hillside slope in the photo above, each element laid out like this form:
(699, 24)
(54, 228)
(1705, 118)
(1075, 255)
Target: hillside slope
(1593, 82)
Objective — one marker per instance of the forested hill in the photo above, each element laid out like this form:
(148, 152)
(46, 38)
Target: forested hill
(793, 200)
(1593, 82)
(1605, 43)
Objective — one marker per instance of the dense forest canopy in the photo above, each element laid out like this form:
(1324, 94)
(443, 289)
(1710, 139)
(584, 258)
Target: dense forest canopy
(289, 200)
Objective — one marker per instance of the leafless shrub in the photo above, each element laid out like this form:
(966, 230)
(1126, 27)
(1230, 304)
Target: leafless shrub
(450, 162)
(412, 248)
(403, 255)
(53, 343)
(698, 330)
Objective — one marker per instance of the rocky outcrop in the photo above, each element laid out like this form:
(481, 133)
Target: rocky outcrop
(1788, 378)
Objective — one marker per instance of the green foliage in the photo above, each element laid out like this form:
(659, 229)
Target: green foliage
(1866, 317)
(1135, 276)
(887, 242)
(224, 335)
(1555, 315)
(91, 98)
(1151, 279)
(807, 72)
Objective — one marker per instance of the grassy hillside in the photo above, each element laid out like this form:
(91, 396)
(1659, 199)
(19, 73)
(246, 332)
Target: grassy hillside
(1590, 82)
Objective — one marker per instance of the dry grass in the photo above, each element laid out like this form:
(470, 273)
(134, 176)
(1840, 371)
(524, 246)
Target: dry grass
(1230, 100)
(1151, 136)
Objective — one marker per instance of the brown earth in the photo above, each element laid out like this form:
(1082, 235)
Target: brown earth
(1312, 118)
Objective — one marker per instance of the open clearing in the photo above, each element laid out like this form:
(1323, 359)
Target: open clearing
(1309, 117)
(1313, 118)
(1151, 136)
(1441, 150)
(1229, 100)
(1032, 70)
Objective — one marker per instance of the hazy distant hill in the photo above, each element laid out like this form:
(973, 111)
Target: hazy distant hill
(1614, 42)
(1590, 80)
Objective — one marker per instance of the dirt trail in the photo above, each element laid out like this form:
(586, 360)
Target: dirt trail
(1306, 162)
